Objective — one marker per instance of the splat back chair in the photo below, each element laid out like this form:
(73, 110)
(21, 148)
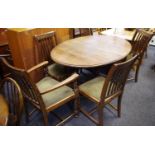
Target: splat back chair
(79, 32)
(13, 95)
(85, 31)
(140, 42)
(102, 90)
(44, 43)
(150, 30)
(48, 94)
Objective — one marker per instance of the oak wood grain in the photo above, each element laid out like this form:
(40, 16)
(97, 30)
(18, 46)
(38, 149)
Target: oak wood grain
(91, 51)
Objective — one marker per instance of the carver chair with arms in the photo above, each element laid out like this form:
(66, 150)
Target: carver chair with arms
(48, 94)
(102, 90)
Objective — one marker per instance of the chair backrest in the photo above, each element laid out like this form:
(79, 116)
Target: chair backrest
(3, 71)
(140, 41)
(116, 79)
(44, 43)
(85, 31)
(28, 87)
(10, 89)
(78, 32)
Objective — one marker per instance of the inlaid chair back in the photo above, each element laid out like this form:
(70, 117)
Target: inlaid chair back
(140, 41)
(28, 88)
(116, 79)
(44, 43)
(13, 95)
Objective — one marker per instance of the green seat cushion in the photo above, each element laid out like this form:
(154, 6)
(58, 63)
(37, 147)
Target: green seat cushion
(58, 95)
(93, 88)
(57, 71)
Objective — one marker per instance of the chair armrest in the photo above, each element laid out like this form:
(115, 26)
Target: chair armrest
(5, 55)
(70, 79)
(37, 66)
(8, 50)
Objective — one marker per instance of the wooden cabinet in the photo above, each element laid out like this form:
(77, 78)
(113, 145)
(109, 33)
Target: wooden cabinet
(22, 47)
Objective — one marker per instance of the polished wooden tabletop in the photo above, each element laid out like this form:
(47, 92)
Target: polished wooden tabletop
(4, 112)
(91, 51)
(121, 33)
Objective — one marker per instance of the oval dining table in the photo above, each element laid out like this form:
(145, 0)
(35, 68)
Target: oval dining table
(91, 51)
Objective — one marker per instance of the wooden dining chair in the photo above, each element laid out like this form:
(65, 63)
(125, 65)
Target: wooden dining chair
(47, 94)
(44, 43)
(150, 30)
(79, 32)
(11, 91)
(102, 90)
(140, 42)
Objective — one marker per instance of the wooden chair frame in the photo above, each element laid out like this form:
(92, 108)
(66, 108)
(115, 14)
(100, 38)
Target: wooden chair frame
(82, 32)
(32, 93)
(13, 94)
(139, 45)
(112, 88)
(43, 45)
(8, 57)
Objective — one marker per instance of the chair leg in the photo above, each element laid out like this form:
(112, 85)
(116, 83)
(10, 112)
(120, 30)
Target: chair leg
(27, 119)
(45, 117)
(136, 75)
(119, 106)
(77, 106)
(100, 115)
(146, 55)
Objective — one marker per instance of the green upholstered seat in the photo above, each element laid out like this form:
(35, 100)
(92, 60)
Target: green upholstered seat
(93, 88)
(58, 95)
(57, 71)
